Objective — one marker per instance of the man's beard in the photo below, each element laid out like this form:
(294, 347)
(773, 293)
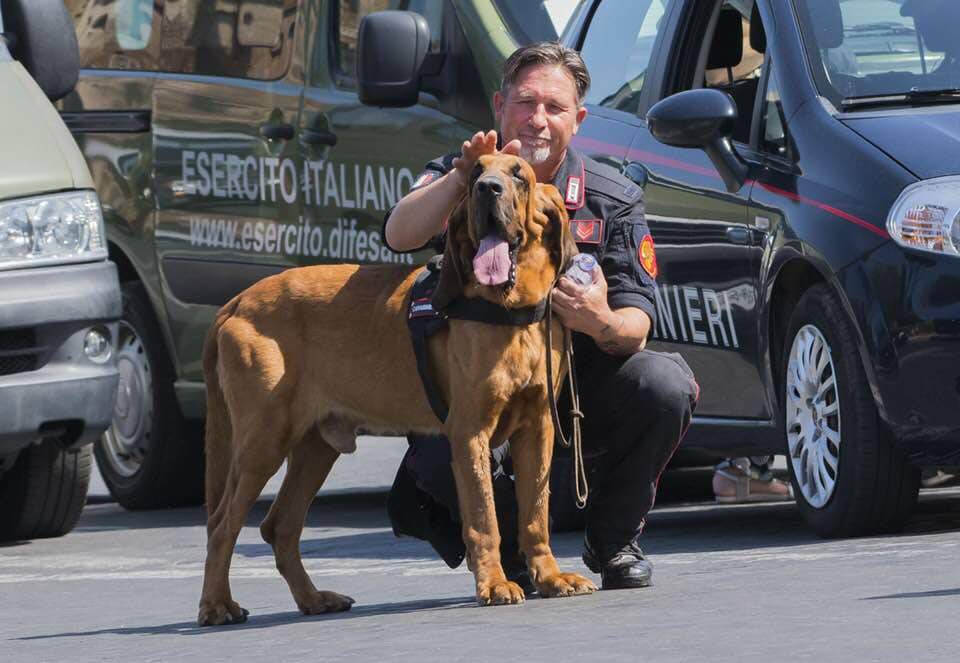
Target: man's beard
(534, 155)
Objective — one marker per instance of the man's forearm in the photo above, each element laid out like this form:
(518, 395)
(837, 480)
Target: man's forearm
(423, 213)
(624, 332)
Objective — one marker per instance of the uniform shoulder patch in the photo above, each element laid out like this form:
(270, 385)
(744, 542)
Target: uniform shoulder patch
(605, 180)
(647, 256)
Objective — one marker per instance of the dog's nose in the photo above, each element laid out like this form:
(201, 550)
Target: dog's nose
(490, 185)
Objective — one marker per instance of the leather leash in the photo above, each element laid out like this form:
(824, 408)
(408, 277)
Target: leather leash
(576, 441)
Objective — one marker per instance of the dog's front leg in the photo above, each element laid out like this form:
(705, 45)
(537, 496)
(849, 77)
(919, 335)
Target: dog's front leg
(532, 451)
(470, 446)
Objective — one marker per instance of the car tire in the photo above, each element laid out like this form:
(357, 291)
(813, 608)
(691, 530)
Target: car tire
(848, 478)
(44, 492)
(150, 457)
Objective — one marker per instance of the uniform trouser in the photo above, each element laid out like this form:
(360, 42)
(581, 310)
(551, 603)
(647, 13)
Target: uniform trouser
(636, 410)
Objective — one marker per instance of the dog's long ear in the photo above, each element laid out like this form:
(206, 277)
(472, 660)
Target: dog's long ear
(451, 281)
(557, 236)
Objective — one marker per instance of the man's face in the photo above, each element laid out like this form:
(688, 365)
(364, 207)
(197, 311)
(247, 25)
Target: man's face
(540, 110)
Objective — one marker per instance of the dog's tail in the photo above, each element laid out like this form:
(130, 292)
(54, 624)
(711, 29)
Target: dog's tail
(219, 431)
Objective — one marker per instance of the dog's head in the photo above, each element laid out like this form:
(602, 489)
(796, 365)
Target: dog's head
(507, 240)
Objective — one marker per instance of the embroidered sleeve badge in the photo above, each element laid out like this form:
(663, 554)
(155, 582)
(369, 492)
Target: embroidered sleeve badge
(648, 256)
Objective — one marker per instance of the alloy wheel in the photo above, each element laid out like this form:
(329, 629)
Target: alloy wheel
(125, 442)
(813, 416)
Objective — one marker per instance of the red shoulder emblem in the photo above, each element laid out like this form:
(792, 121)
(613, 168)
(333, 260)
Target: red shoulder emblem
(648, 256)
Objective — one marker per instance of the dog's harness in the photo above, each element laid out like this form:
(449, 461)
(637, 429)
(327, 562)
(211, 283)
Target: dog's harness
(424, 321)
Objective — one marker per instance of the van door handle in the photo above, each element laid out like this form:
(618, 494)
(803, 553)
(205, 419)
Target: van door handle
(637, 172)
(276, 131)
(739, 235)
(318, 137)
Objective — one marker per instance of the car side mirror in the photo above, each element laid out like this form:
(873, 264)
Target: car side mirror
(40, 34)
(391, 51)
(705, 119)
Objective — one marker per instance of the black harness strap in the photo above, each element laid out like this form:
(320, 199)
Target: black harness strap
(424, 321)
(478, 309)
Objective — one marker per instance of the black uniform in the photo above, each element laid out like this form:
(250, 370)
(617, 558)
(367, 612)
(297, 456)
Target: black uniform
(636, 408)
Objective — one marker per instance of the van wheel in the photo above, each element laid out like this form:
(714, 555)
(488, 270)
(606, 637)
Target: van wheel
(44, 492)
(149, 457)
(847, 476)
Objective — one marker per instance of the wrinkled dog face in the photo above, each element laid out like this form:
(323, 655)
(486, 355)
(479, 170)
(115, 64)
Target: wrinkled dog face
(507, 239)
(499, 202)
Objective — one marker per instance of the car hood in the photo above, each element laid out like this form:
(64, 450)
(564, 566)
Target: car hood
(39, 154)
(926, 141)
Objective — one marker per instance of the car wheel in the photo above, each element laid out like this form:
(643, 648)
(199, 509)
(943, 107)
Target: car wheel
(149, 457)
(847, 476)
(44, 492)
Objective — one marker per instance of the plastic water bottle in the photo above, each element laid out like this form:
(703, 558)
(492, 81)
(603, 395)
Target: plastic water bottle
(581, 269)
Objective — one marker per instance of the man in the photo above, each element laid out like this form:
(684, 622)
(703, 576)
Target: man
(637, 403)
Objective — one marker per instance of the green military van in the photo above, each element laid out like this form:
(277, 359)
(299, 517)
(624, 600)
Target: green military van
(59, 295)
(227, 143)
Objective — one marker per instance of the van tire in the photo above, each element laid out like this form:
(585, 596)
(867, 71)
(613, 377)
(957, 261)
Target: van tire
(874, 488)
(150, 457)
(44, 492)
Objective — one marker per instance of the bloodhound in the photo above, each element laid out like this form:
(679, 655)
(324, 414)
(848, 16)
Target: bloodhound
(300, 362)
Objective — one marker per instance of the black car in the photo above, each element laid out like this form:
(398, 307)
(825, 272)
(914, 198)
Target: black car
(809, 252)
(809, 248)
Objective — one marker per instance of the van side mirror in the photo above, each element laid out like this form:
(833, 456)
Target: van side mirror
(701, 118)
(40, 34)
(391, 50)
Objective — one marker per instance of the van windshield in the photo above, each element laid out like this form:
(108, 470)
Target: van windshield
(883, 52)
(541, 20)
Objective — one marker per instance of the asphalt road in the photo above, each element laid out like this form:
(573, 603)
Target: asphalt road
(741, 583)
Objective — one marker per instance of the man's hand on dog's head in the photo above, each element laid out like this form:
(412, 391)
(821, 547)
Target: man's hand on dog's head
(481, 143)
(583, 308)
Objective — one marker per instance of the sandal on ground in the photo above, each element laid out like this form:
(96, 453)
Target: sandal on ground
(747, 489)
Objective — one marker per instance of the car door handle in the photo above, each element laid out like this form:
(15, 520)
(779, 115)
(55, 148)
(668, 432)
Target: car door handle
(739, 235)
(637, 172)
(276, 131)
(318, 137)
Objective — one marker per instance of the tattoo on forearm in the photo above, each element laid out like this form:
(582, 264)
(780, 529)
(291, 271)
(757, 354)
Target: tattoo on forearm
(609, 339)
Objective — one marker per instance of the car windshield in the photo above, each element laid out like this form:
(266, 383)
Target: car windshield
(870, 52)
(540, 20)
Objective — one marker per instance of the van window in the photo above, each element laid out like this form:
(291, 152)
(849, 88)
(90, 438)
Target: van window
(618, 48)
(236, 38)
(532, 20)
(346, 26)
(120, 35)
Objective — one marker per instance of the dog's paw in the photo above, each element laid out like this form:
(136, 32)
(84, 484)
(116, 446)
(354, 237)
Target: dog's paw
(321, 602)
(220, 613)
(564, 584)
(502, 592)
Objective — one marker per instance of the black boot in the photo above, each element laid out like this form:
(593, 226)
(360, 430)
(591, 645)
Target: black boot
(620, 567)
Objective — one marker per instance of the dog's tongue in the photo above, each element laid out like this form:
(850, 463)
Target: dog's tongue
(492, 262)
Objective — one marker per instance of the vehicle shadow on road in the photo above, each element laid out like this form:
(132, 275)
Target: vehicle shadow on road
(256, 622)
(350, 509)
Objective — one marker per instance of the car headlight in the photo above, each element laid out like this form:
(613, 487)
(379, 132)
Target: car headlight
(55, 228)
(925, 216)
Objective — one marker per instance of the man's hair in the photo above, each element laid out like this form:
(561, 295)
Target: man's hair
(547, 53)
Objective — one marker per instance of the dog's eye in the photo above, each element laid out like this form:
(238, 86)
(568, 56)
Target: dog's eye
(519, 179)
